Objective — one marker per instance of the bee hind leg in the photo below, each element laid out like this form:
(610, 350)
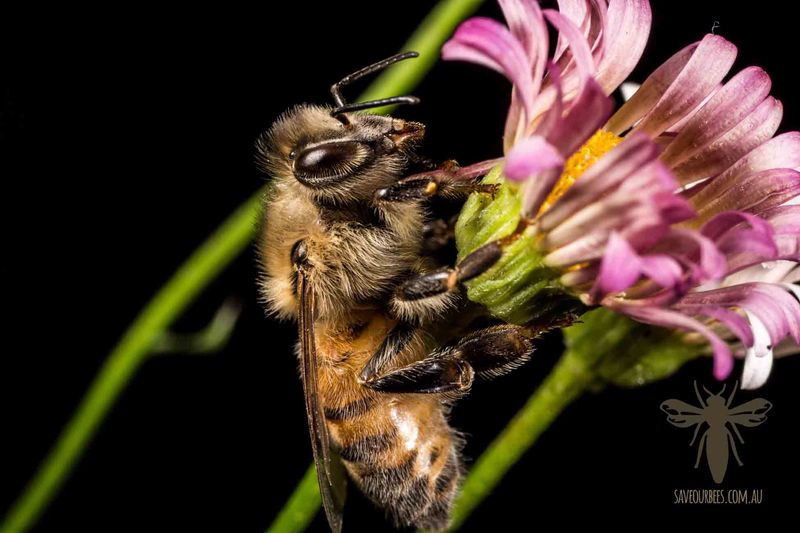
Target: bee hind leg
(487, 352)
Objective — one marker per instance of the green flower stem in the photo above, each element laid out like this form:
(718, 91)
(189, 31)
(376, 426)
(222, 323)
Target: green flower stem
(203, 266)
(301, 507)
(567, 381)
(137, 342)
(602, 348)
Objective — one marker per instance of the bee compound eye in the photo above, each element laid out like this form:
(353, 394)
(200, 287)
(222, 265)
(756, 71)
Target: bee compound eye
(330, 160)
(299, 253)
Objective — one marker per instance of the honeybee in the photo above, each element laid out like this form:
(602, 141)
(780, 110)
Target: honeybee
(341, 252)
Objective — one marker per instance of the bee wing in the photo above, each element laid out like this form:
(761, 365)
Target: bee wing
(330, 471)
(682, 414)
(750, 414)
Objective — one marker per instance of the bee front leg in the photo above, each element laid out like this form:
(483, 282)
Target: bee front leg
(448, 181)
(423, 186)
(487, 352)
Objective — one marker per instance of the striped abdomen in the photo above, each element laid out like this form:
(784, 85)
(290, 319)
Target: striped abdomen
(401, 452)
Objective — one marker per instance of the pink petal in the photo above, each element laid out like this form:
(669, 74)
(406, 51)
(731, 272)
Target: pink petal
(727, 108)
(553, 115)
(724, 222)
(581, 52)
(707, 67)
(672, 207)
(771, 272)
(786, 222)
(650, 91)
(619, 269)
(784, 218)
(697, 251)
(591, 18)
(723, 359)
(662, 269)
(638, 208)
(782, 151)
(731, 320)
(524, 19)
(755, 193)
(778, 310)
(622, 267)
(454, 50)
(588, 113)
(527, 24)
(678, 126)
(586, 248)
(603, 215)
(582, 236)
(755, 129)
(624, 38)
(743, 238)
(676, 87)
(578, 11)
(529, 157)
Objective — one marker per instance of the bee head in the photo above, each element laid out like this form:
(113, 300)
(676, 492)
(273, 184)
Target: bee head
(336, 158)
(337, 152)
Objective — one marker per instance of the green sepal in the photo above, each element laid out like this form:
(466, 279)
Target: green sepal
(519, 288)
(628, 353)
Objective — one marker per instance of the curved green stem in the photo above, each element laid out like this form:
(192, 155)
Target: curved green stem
(301, 507)
(567, 382)
(225, 244)
(137, 342)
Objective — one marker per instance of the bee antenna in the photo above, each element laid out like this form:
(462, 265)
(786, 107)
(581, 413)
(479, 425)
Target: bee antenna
(341, 104)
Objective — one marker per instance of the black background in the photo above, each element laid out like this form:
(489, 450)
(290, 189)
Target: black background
(127, 135)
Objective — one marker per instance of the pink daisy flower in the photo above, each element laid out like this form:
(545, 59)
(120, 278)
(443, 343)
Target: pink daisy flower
(663, 209)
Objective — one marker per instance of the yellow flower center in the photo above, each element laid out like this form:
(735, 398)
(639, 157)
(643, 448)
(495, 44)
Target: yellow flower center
(596, 147)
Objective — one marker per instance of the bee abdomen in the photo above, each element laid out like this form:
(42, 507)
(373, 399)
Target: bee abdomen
(416, 491)
(436, 515)
(367, 451)
(348, 411)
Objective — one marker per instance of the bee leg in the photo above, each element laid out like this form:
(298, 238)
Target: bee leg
(395, 342)
(448, 279)
(497, 350)
(487, 352)
(440, 372)
(437, 234)
(423, 186)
